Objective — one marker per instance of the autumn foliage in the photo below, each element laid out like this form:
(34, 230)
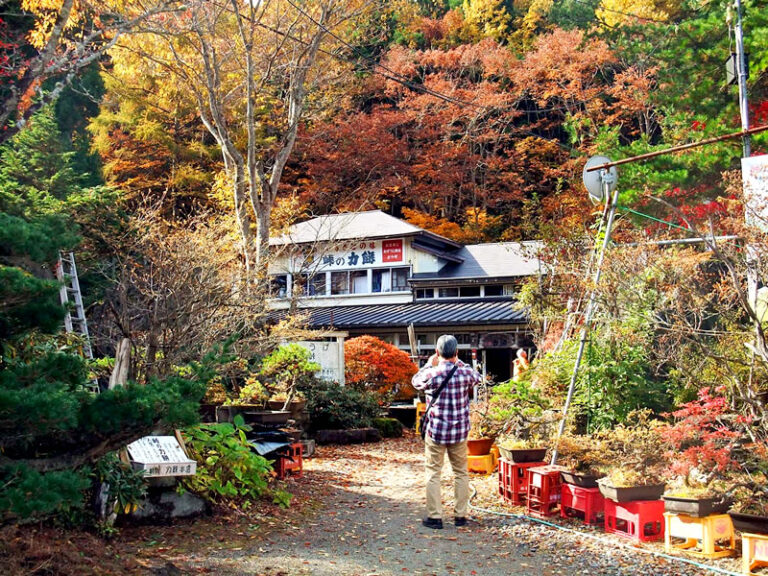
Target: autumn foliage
(375, 365)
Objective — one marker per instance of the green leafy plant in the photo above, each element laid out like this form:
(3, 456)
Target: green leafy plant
(288, 368)
(229, 471)
(333, 407)
(517, 409)
(125, 489)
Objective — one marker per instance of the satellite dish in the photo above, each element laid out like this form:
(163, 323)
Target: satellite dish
(594, 181)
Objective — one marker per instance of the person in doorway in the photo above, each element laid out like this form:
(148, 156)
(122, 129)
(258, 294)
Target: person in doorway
(521, 364)
(447, 427)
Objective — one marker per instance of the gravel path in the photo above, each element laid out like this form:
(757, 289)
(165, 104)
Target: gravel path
(370, 501)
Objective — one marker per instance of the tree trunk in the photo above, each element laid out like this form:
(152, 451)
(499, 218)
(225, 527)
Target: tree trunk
(122, 367)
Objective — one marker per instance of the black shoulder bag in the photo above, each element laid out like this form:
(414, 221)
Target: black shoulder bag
(425, 416)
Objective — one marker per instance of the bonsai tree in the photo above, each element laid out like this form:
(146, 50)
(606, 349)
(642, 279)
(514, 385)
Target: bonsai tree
(518, 411)
(289, 367)
(636, 451)
(701, 441)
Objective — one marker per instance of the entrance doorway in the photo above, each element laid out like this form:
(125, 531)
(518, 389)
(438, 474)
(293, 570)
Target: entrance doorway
(498, 363)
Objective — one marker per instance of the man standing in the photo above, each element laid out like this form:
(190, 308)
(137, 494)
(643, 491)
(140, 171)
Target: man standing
(447, 427)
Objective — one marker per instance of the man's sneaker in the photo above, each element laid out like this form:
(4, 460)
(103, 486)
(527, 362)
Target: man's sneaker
(460, 521)
(434, 523)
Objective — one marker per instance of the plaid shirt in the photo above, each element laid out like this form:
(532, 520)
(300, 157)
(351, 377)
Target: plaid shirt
(448, 419)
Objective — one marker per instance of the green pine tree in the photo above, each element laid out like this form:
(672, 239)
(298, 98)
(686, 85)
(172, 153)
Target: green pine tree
(51, 428)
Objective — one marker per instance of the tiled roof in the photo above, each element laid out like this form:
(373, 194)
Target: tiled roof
(352, 226)
(494, 260)
(419, 313)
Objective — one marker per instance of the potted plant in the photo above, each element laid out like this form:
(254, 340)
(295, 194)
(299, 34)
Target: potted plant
(519, 411)
(481, 433)
(701, 440)
(251, 405)
(749, 511)
(520, 450)
(696, 499)
(639, 459)
(287, 369)
(585, 459)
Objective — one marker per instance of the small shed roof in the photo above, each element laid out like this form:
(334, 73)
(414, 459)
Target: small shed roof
(492, 260)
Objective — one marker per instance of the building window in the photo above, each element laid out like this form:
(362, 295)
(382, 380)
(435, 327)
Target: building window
(381, 281)
(358, 282)
(399, 279)
(448, 292)
(469, 291)
(317, 285)
(339, 283)
(423, 293)
(278, 286)
(494, 290)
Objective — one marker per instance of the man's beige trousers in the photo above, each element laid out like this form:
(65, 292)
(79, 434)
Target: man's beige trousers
(435, 456)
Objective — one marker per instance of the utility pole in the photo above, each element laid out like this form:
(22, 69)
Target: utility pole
(741, 69)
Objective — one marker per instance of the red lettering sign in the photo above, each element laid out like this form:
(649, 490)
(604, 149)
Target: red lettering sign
(392, 250)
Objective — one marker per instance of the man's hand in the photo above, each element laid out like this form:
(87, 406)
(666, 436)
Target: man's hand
(434, 360)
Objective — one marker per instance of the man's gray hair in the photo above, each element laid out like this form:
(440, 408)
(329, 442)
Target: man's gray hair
(447, 346)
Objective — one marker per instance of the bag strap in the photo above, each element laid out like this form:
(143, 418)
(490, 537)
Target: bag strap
(440, 389)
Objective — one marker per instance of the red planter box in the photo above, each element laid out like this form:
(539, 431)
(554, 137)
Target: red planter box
(544, 484)
(640, 520)
(513, 480)
(578, 501)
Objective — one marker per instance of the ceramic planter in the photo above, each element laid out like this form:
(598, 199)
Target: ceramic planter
(630, 493)
(479, 446)
(696, 507)
(750, 523)
(581, 480)
(523, 455)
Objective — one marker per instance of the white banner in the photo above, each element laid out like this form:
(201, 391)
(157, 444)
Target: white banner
(754, 172)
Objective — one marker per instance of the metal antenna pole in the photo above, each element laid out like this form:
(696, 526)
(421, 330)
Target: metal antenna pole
(741, 62)
(606, 178)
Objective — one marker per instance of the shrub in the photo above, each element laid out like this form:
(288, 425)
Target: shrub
(374, 365)
(389, 427)
(331, 406)
(228, 470)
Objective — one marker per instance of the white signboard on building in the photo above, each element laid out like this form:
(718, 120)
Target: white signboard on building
(330, 356)
(160, 456)
(354, 254)
(754, 171)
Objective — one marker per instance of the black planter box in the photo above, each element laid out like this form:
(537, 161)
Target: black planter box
(696, 507)
(252, 415)
(631, 493)
(523, 455)
(749, 523)
(580, 480)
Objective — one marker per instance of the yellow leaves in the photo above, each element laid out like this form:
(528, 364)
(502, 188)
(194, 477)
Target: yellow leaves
(487, 18)
(621, 12)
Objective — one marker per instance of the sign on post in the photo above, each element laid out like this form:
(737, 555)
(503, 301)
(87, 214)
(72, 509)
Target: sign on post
(160, 456)
(754, 172)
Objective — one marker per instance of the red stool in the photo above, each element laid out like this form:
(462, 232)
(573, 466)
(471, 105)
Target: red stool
(290, 462)
(543, 490)
(513, 480)
(575, 500)
(641, 520)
